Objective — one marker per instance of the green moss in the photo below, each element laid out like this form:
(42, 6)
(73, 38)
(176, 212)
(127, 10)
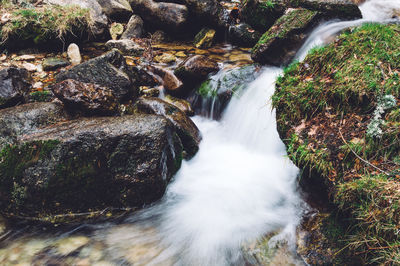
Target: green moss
(290, 21)
(40, 96)
(345, 81)
(43, 24)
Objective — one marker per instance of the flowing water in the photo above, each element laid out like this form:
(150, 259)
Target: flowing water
(239, 187)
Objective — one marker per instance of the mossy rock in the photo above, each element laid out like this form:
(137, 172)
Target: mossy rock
(262, 14)
(88, 165)
(327, 106)
(280, 43)
(204, 39)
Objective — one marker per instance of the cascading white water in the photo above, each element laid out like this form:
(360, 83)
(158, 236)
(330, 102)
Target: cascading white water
(239, 186)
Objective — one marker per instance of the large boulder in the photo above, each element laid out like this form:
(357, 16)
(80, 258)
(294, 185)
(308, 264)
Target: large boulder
(87, 165)
(116, 9)
(196, 69)
(280, 43)
(96, 12)
(344, 9)
(184, 126)
(87, 98)
(207, 12)
(134, 28)
(167, 16)
(262, 14)
(109, 70)
(27, 118)
(243, 35)
(14, 85)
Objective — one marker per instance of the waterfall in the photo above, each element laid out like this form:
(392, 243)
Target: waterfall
(239, 186)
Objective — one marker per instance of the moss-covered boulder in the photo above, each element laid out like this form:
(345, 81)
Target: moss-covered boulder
(279, 44)
(344, 9)
(262, 14)
(88, 165)
(338, 113)
(186, 129)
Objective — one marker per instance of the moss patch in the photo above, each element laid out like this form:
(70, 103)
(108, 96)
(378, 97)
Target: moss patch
(42, 24)
(326, 107)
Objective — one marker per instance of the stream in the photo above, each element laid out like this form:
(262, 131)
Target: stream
(238, 188)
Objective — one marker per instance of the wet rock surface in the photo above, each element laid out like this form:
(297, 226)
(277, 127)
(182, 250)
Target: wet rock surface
(185, 128)
(14, 85)
(280, 43)
(109, 70)
(243, 35)
(195, 69)
(116, 9)
(262, 14)
(126, 46)
(88, 98)
(27, 118)
(53, 63)
(89, 164)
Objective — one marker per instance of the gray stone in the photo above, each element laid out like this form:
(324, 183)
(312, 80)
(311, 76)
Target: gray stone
(109, 70)
(134, 28)
(243, 35)
(14, 85)
(74, 54)
(53, 63)
(126, 46)
(166, 16)
(116, 9)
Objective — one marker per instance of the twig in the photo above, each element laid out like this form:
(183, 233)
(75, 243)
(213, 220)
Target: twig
(359, 157)
(376, 248)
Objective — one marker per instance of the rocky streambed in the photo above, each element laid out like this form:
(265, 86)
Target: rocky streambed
(95, 131)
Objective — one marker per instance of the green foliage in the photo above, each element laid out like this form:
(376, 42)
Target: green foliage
(40, 96)
(352, 75)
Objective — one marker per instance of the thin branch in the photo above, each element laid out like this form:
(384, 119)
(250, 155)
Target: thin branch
(359, 157)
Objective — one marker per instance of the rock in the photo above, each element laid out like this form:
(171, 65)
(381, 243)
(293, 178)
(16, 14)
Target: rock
(74, 54)
(185, 128)
(280, 43)
(25, 57)
(30, 67)
(159, 37)
(204, 39)
(116, 9)
(53, 63)
(216, 92)
(126, 46)
(183, 105)
(149, 92)
(208, 12)
(14, 85)
(262, 14)
(180, 54)
(344, 9)
(243, 35)
(166, 16)
(109, 70)
(88, 98)
(116, 30)
(22, 119)
(96, 12)
(134, 28)
(89, 164)
(165, 58)
(170, 82)
(195, 69)
(68, 245)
